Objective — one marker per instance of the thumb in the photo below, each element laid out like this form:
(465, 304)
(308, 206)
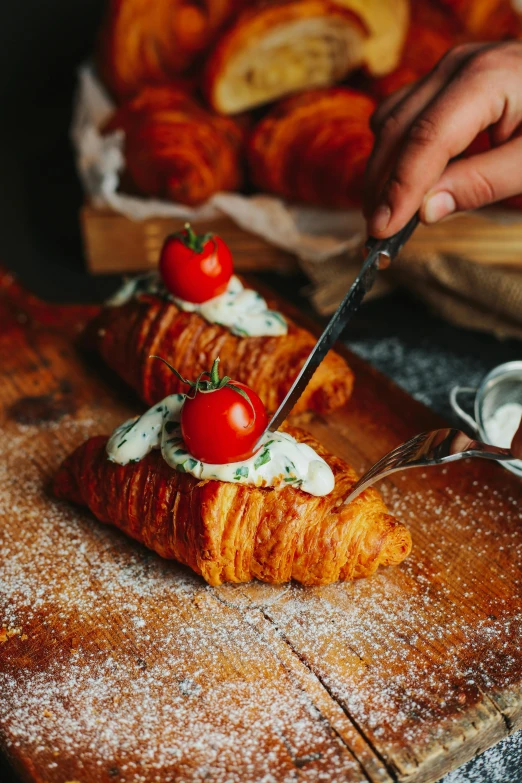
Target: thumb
(473, 182)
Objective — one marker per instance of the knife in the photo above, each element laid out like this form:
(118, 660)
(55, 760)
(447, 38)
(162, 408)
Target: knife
(348, 307)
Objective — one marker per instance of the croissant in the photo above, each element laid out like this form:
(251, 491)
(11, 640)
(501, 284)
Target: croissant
(387, 23)
(277, 48)
(488, 20)
(146, 42)
(127, 335)
(314, 147)
(175, 149)
(431, 33)
(233, 533)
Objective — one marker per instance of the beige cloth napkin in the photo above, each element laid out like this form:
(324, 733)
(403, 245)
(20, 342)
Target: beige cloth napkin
(470, 294)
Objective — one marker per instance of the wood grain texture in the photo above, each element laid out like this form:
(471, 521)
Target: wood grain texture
(113, 243)
(117, 666)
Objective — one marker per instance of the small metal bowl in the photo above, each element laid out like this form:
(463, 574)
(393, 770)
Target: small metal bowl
(502, 385)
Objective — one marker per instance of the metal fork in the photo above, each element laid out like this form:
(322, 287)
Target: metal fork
(428, 448)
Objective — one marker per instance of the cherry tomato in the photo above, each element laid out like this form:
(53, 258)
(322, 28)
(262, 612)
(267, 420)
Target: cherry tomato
(222, 426)
(195, 267)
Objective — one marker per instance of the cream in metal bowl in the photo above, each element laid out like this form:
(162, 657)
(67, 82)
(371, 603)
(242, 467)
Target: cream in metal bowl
(497, 407)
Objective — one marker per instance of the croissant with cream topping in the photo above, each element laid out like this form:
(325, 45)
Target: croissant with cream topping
(234, 533)
(125, 336)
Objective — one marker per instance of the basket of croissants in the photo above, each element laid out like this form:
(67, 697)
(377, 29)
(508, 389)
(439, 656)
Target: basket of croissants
(258, 97)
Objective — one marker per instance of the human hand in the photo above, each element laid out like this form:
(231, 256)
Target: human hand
(423, 127)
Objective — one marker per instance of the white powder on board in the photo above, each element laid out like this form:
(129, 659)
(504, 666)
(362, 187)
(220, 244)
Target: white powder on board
(196, 691)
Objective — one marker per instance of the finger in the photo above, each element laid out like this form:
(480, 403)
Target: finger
(442, 131)
(473, 182)
(389, 103)
(516, 445)
(396, 118)
(428, 86)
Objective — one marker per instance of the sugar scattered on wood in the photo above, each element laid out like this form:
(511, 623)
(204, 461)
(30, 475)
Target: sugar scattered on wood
(197, 684)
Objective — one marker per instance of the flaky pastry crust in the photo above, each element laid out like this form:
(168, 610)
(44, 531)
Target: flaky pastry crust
(234, 533)
(126, 336)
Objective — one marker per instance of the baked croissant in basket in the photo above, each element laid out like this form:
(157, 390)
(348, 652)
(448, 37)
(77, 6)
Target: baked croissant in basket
(487, 20)
(313, 147)
(146, 42)
(233, 533)
(387, 23)
(175, 149)
(439, 25)
(125, 336)
(432, 32)
(277, 48)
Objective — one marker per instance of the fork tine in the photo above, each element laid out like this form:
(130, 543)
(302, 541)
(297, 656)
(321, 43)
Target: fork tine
(394, 457)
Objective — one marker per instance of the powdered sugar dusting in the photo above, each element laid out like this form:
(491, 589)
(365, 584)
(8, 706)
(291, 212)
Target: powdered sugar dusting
(129, 657)
(118, 665)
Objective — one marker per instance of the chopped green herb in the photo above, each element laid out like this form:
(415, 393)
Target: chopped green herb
(263, 458)
(170, 426)
(189, 464)
(241, 472)
(278, 317)
(290, 478)
(239, 331)
(290, 466)
(121, 443)
(180, 452)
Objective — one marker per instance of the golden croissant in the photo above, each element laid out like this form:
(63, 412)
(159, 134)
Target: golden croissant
(234, 533)
(314, 147)
(437, 26)
(175, 149)
(387, 24)
(487, 20)
(144, 42)
(432, 32)
(127, 335)
(277, 48)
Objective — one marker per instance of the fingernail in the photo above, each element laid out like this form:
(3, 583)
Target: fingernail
(381, 218)
(438, 206)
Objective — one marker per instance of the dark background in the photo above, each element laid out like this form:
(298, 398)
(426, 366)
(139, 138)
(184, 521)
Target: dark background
(42, 42)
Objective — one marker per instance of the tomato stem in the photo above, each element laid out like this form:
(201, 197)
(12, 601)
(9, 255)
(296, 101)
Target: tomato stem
(194, 241)
(212, 384)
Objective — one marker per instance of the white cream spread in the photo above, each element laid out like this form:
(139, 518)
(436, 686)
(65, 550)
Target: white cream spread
(240, 309)
(280, 461)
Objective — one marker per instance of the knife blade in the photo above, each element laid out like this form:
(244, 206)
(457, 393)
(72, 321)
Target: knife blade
(348, 307)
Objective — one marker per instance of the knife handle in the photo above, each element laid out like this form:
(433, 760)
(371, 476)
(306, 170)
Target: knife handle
(391, 246)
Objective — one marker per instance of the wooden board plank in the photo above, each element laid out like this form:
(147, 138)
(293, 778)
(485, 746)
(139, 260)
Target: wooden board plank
(114, 244)
(115, 665)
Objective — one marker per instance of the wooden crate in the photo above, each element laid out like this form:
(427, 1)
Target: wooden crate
(113, 243)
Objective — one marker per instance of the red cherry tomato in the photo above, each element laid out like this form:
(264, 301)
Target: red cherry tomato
(195, 267)
(222, 426)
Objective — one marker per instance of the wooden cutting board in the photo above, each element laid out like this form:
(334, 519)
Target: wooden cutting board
(117, 666)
